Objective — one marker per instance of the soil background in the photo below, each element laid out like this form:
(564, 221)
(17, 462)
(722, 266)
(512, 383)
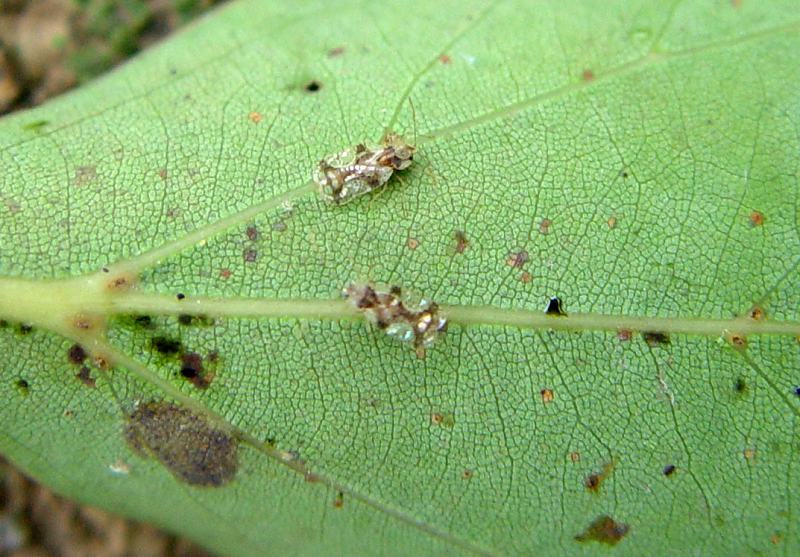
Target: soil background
(46, 48)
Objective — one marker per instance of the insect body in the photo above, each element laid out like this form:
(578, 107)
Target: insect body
(343, 176)
(418, 322)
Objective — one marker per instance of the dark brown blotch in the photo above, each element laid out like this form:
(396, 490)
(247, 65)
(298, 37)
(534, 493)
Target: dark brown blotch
(656, 338)
(461, 241)
(166, 346)
(190, 447)
(605, 530)
(76, 354)
(84, 376)
(192, 370)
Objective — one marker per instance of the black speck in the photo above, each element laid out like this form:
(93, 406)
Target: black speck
(166, 346)
(668, 469)
(180, 295)
(185, 319)
(796, 391)
(23, 385)
(24, 329)
(624, 174)
(313, 86)
(554, 307)
(740, 385)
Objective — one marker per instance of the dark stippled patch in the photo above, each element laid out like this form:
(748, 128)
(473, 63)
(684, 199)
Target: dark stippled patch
(190, 447)
(604, 529)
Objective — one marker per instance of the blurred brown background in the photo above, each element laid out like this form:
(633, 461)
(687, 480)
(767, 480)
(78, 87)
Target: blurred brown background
(47, 47)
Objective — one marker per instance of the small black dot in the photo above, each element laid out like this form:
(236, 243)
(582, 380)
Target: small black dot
(740, 385)
(25, 329)
(180, 295)
(796, 391)
(668, 469)
(313, 86)
(22, 384)
(554, 307)
(184, 319)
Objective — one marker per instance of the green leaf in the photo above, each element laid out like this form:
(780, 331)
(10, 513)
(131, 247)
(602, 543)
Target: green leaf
(638, 161)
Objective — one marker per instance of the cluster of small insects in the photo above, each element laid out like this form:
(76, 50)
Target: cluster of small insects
(416, 322)
(351, 173)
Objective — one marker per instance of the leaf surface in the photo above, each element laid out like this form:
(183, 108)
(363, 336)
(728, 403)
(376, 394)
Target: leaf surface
(191, 362)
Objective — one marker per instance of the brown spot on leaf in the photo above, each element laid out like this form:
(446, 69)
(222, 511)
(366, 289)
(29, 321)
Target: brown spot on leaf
(22, 386)
(338, 501)
(525, 277)
(85, 377)
(547, 395)
(612, 222)
(575, 456)
(252, 233)
(749, 454)
(656, 338)
(467, 474)
(190, 447)
(192, 370)
(736, 340)
(757, 313)
(461, 241)
(593, 481)
(84, 175)
(162, 173)
(756, 219)
(604, 529)
(85, 322)
(250, 255)
(544, 226)
(255, 117)
(443, 419)
(76, 354)
(120, 282)
(336, 51)
(624, 335)
(587, 75)
(412, 244)
(225, 273)
(445, 59)
(517, 259)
